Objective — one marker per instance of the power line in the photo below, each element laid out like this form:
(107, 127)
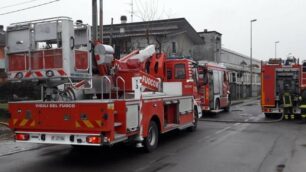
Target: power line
(18, 4)
(31, 7)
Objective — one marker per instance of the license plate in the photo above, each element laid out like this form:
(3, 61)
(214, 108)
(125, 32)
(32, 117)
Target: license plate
(58, 138)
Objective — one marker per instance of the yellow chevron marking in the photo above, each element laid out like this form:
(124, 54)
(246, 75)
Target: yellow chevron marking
(77, 125)
(14, 121)
(33, 124)
(88, 124)
(23, 123)
(99, 123)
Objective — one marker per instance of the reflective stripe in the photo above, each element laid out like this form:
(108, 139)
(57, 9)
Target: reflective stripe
(23, 123)
(88, 124)
(32, 124)
(77, 125)
(99, 123)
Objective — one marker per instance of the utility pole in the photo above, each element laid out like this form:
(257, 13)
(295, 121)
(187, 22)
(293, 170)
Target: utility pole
(101, 21)
(94, 20)
(111, 33)
(132, 11)
(251, 57)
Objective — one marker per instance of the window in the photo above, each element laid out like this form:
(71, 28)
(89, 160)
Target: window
(169, 74)
(217, 79)
(180, 71)
(233, 77)
(304, 67)
(174, 47)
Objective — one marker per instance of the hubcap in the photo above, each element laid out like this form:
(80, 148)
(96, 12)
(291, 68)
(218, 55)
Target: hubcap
(151, 136)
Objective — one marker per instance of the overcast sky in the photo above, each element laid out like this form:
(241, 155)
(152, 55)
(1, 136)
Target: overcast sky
(278, 20)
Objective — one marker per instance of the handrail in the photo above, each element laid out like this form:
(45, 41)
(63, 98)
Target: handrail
(123, 81)
(102, 87)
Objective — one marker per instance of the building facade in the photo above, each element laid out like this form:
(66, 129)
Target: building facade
(240, 75)
(177, 37)
(172, 36)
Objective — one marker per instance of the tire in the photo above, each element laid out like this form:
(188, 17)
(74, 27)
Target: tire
(217, 107)
(228, 108)
(195, 122)
(150, 143)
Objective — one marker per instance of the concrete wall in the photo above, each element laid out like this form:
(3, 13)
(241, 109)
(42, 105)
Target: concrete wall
(231, 57)
(211, 49)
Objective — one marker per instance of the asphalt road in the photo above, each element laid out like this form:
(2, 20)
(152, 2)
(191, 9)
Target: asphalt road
(214, 147)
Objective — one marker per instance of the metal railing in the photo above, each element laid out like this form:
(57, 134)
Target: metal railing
(102, 87)
(119, 78)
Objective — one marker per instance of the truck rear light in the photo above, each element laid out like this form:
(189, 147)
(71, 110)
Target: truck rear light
(94, 139)
(19, 75)
(50, 73)
(22, 137)
(267, 110)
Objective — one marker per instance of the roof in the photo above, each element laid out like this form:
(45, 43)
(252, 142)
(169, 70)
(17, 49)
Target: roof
(156, 27)
(239, 54)
(205, 32)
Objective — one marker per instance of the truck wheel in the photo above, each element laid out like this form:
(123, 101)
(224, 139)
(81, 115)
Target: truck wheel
(217, 104)
(228, 108)
(195, 122)
(151, 141)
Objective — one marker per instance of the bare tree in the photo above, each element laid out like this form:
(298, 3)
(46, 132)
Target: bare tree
(147, 11)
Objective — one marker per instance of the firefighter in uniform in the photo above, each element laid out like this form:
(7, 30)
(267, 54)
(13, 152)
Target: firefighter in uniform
(287, 102)
(303, 104)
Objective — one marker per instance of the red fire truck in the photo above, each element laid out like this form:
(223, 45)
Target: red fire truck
(135, 98)
(213, 87)
(282, 83)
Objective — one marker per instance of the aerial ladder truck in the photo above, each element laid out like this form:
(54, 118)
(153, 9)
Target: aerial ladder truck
(87, 97)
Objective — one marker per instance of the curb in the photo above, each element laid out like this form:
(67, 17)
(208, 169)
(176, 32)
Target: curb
(237, 102)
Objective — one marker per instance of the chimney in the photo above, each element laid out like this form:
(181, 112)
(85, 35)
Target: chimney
(1, 28)
(123, 19)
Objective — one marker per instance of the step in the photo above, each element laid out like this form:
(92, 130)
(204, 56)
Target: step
(217, 111)
(119, 138)
(169, 126)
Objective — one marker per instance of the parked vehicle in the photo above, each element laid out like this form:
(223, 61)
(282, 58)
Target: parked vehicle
(90, 99)
(213, 86)
(282, 83)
